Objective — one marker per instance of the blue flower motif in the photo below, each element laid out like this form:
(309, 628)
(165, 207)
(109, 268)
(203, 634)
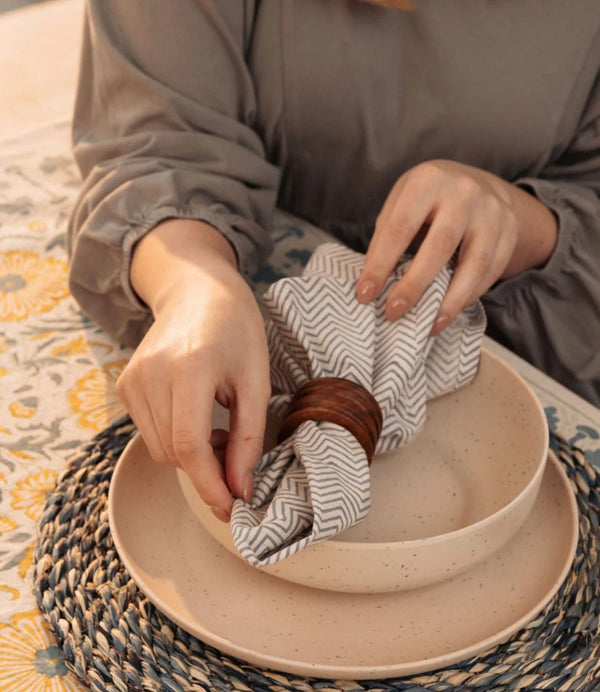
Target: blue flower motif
(298, 255)
(552, 418)
(50, 662)
(268, 275)
(593, 456)
(584, 432)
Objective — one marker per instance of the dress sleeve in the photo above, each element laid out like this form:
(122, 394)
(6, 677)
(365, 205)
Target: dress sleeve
(551, 315)
(163, 128)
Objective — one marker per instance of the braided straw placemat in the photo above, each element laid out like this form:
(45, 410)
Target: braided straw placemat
(114, 639)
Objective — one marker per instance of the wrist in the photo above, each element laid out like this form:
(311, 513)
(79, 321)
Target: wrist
(537, 233)
(178, 253)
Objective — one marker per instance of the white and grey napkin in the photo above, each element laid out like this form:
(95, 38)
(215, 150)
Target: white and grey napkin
(315, 484)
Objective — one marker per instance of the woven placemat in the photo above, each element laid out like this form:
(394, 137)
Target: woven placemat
(113, 638)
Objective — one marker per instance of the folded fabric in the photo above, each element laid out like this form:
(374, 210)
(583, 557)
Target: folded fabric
(316, 484)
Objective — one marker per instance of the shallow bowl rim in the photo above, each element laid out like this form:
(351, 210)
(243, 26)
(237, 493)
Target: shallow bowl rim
(334, 544)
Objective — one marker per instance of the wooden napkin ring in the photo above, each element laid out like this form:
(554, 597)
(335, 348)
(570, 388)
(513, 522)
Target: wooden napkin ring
(339, 401)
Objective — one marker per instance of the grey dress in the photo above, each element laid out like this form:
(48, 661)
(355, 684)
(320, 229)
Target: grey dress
(221, 109)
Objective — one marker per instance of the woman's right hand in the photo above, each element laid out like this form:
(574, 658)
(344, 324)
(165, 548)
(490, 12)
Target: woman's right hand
(207, 342)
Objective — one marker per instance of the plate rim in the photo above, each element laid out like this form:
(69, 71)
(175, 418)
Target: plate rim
(306, 668)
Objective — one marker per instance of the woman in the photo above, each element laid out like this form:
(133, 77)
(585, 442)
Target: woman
(472, 125)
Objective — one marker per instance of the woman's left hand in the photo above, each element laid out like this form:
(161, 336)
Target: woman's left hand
(498, 229)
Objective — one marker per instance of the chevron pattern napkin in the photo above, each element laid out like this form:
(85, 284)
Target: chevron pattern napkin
(315, 484)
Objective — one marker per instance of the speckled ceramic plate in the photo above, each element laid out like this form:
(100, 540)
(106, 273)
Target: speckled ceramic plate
(280, 625)
(439, 505)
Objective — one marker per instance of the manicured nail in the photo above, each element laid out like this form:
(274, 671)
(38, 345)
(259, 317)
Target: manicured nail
(248, 487)
(366, 291)
(221, 514)
(440, 324)
(397, 308)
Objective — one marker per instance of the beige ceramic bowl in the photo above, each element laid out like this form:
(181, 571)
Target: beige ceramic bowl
(440, 505)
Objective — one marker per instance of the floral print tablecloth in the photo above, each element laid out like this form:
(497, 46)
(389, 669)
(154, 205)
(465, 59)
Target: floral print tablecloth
(57, 375)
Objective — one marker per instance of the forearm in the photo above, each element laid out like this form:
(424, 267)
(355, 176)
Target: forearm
(172, 251)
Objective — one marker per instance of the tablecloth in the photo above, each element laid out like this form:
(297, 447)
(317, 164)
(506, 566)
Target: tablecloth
(57, 375)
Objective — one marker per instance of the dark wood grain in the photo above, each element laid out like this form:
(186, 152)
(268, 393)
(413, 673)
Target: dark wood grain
(339, 401)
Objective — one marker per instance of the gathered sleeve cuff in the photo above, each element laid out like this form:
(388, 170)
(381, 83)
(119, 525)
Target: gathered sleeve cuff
(551, 315)
(162, 130)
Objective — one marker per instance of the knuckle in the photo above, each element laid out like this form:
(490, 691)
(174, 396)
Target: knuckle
(121, 384)
(411, 292)
(143, 367)
(493, 206)
(425, 172)
(256, 378)
(156, 451)
(510, 221)
(467, 188)
(180, 367)
(482, 261)
(257, 392)
(375, 272)
(400, 225)
(185, 444)
(171, 454)
(124, 385)
(187, 364)
(162, 459)
(151, 363)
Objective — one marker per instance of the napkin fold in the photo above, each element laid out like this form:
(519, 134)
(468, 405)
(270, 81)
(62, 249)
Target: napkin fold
(316, 484)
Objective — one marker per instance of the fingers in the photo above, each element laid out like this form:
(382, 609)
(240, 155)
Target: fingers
(246, 435)
(397, 225)
(442, 239)
(138, 408)
(464, 208)
(176, 424)
(479, 268)
(191, 442)
(158, 397)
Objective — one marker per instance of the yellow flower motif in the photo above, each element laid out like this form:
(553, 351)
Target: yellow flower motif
(18, 410)
(26, 562)
(77, 345)
(7, 524)
(95, 398)
(29, 657)
(20, 454)
(3, 372)
(30, 284)
(12, 592)
(3, 344)
(6, 431)
(37, 225)
(30, 493)
(42, 335)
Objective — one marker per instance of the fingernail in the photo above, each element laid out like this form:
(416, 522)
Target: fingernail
(221, 514)
(248, 487)
(397, 308)
(366, 291)
(440, 324)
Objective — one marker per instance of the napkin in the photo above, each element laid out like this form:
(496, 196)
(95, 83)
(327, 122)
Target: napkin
(315, 484)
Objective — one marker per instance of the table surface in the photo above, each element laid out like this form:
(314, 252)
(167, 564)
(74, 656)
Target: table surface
(57, 369)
